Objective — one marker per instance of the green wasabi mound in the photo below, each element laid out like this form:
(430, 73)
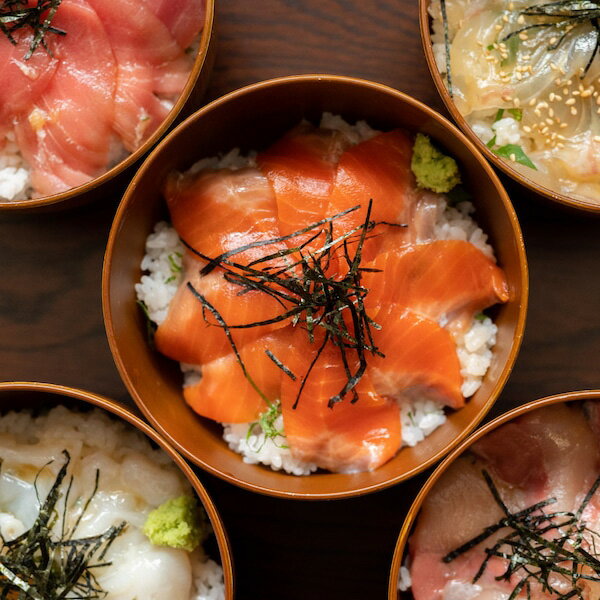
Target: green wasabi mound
(434, 170)
(176, 524)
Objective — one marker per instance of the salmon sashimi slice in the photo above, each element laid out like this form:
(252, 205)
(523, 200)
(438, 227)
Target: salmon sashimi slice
(301, 168)
(65, 136)
(377, 169)
(22, 81)
(448, 281)
(191, 335)
(183, 18)
(347, 438)
(219, 211)
(225, 394)
(141, 44)
(420, 359)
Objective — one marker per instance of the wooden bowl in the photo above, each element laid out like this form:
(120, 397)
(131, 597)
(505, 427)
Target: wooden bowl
(577, 203)
(115, 179)
(28, 395)
(251, 118)
(411, 517)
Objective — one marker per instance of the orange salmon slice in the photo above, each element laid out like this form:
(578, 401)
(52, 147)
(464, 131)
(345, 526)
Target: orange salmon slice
(420, 359)
(219, 211)
(449, 280)
(347, 438)
(225, 394)
(191, 336)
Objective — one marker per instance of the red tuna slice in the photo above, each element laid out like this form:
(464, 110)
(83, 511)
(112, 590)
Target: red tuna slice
(191, 336)
(225, 394)
(348, 438)
(458, 508)
(548, 452)
(420, 359)
(377, 169)
(447, 280)
(143, 46)
(183, 18)
(22, 81)
(219, 211)
(66, 135)
(301, 167)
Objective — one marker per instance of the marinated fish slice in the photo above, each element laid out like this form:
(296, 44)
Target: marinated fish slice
(192, 336)
(65, 137)
(142, 44)
(377, 169)
(447, 281)
(420, 359)
(225, 394)
(301, 167)
(347, 438)
(219, 211)
(183, 18)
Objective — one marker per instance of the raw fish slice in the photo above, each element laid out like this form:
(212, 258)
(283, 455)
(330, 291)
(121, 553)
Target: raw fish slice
(142, 44)
(183, 18)
(189, 336)
(447, 280)
(22, 81)
(377, 169)
(225, 394)
(65, 137)
(301, 168)
(420, 359)
(219, 211)
(347, 438)
(459, 507)
(549, 452)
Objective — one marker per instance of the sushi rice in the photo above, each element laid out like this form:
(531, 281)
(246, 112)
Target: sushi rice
(419, 416)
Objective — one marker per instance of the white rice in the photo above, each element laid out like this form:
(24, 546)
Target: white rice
(14, 171)
(420, 417)
(134, 479)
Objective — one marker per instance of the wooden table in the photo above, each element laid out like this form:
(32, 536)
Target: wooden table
(51, 320)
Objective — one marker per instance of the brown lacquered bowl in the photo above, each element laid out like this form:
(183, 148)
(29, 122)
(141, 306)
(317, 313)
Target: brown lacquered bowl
(115, 179)
(407, 527)
(251, 118)
(36, 396)
(579, 202)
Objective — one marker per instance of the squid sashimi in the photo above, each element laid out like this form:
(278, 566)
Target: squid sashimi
(447, 280)
(226, 394)
(346, 438)
(141, 44)
(66, 136)
(194, 335)
(301, 168)
(549, 457)
(222, 210)
(420, 358)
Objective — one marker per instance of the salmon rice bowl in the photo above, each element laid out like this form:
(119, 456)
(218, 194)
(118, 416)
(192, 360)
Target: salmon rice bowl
(84, 83)
(89, 509)
(324, 297)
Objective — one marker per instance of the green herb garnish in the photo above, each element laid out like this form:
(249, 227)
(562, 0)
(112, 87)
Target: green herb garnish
(564, 16)
(538, 545)
(17, 14)
(175, 262)
(516, 154)
(151, 326)
(513, 48)
(44, 564)
(266, 425)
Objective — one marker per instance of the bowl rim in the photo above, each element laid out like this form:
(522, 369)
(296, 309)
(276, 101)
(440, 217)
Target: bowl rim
(443, 466)
(560, 198)
(315, 79)
(120, 411)
(130, 159)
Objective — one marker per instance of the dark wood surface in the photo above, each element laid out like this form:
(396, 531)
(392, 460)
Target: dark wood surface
(51, 325)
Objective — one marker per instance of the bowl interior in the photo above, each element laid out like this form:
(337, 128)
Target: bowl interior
(39, 396)
(579, 202)
(115, 178)
(251, 118)
(409, 522)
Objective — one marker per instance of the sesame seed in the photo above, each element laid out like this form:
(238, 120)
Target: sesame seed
(521, 20)
(545, 130)
(551, 113)
(542, 105)
(553, 136)
(550, 122)
(537, 112)
(586, 93)
(513, 157)
(480, 43)
(498, 27)
(563, 125)
(511, 6)
(552, 96)
(575, 93)
(522, 35)
(553, 40)
(570, 101)
(518, 76)
(532, 101)
(505, 18)
(573, 111)
(557, 97)
(527, 129)
(560, 145)
(565, 91)
(553, 66)
(491, 59)
(597, 138)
